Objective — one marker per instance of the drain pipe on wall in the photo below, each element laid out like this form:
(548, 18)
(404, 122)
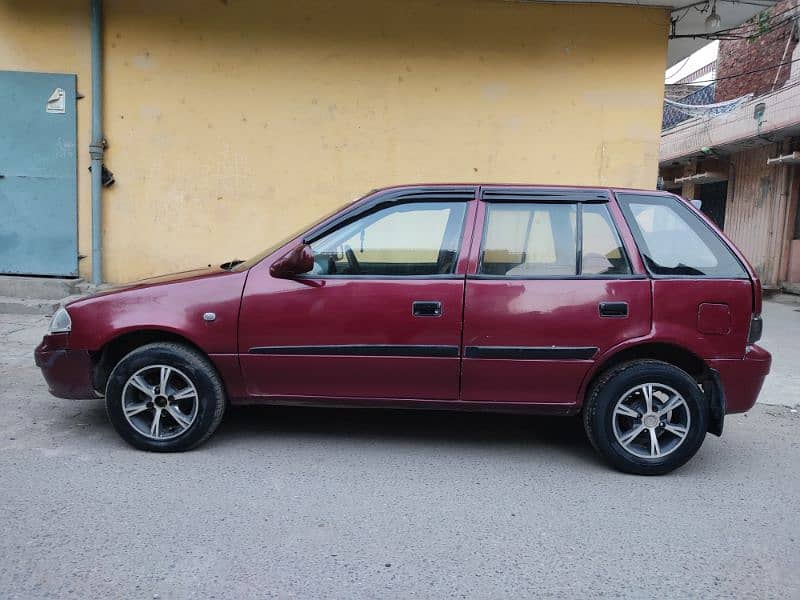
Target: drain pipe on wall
(97, 146)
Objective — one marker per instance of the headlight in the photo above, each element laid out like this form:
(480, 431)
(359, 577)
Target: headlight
(61, 322)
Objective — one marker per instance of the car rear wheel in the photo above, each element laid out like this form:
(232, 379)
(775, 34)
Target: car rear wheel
(646, 417)
(165, 397)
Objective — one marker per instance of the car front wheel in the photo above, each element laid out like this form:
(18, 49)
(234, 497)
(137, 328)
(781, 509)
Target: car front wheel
(646, 417)
(165, 397)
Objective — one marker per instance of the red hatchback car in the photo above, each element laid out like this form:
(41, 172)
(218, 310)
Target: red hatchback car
(626, 306)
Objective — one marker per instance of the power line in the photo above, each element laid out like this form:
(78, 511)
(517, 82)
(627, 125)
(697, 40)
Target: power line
(730, 33)
(771, 24)
(746, 23)
(775, 66)
(681, 68)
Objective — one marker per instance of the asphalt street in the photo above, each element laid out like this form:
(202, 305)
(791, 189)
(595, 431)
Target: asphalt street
(323, 503)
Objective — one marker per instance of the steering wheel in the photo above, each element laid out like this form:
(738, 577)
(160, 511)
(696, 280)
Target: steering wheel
(352, 261)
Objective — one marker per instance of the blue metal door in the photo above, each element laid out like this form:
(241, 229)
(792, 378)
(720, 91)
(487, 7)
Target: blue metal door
(38, 174)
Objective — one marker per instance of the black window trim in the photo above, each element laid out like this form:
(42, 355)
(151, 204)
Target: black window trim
(454, 195)
(391, 198)
(578, 245)
(578, 239)
(544, 195)
(487, 276)
(636, 238)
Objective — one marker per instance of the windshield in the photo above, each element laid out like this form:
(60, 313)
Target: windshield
(250, 262)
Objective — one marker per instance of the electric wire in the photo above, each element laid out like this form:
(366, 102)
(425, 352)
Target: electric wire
(750, 72)
(726, 33)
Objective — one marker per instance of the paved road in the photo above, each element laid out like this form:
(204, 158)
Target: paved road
(301, 503)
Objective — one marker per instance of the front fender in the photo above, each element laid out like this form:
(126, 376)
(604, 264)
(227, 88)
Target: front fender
(177, 308)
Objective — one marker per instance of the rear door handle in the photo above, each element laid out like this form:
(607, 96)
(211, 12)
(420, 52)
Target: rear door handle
(426, 308)
(613, 309)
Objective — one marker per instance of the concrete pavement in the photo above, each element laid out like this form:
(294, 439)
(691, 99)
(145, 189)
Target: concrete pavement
(316, 503)
(782, 338)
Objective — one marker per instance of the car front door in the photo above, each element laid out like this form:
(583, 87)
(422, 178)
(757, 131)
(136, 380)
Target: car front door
(380, 314)
(550, 288)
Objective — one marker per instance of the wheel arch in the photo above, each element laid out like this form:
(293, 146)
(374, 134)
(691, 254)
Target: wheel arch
(675, 355)
(116, 348)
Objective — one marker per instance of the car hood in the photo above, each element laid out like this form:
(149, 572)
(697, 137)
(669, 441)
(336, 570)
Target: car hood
(157, 280)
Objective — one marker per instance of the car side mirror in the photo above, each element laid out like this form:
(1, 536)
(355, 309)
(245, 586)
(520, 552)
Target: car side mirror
(698, 204)
(297, 261)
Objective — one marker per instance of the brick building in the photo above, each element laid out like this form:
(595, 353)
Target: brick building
(743, 161)
(758, 54)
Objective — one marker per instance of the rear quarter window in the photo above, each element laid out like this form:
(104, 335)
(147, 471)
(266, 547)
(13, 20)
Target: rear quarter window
(674, 241)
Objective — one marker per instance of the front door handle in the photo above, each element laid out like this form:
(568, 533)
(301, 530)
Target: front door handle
(613, 309)
(426, 308)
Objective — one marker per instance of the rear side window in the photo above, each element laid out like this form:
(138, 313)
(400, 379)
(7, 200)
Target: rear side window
(529, 240)
(601, 251)
(541, 240)
(674, 241)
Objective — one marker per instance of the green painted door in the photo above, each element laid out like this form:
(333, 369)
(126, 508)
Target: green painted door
(38, 174)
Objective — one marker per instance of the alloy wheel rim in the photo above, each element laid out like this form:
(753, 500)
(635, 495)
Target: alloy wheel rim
(651, 420)
(160, 402)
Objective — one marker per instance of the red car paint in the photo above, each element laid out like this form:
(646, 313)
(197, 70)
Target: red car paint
(534, 313)
(264, 325)
(68, 372)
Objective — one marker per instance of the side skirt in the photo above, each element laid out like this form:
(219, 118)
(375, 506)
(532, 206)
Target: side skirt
(391, 403)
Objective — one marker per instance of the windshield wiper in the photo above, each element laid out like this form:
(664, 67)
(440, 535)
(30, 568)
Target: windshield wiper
(230, 264)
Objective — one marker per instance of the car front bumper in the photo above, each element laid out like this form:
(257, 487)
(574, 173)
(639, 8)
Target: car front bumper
(741, 379)
(68, 372)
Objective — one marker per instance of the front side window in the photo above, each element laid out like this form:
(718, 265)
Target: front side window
(674, 241)
(540, 240)
(417, 238)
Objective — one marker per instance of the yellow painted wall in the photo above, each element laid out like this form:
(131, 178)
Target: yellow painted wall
(233, 122)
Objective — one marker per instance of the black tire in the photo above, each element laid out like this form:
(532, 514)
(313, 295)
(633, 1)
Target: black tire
(598, 415)
(188, 363)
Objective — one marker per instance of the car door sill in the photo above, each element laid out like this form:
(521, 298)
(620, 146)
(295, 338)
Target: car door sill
(556, 408)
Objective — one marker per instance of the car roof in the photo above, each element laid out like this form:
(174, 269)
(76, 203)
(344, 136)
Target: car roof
(559, 186)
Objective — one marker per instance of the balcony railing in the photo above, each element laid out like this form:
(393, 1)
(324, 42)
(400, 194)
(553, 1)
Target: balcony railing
(672, 116)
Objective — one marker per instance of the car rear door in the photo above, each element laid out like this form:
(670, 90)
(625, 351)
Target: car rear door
(703, 295)
(550, 287)
(380, 315)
